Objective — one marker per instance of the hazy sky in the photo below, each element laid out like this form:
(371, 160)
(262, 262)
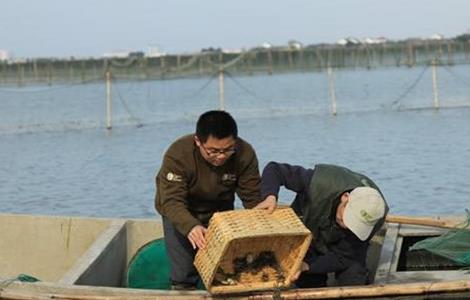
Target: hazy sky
(44, 28)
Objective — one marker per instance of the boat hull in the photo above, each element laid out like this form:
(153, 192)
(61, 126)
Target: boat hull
(87, 258)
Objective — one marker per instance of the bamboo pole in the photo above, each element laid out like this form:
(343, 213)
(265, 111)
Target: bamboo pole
(221, 89)
(200, 57)
(162, 67)
(401, 289)
(434, 85)
(422, 221)
(300, 60)
(247, 63)
(21, 295)
(35, 71)
(410, 55)
(19, 74)
(145, 67)
(270, 62)
(178, 61)
(82, 71)
(49, 73)
(71, 71)
(290, 61)
(108, 101)
(450, 60)
(319, 58)
(2, 72)
(331, 85)
(368, 57)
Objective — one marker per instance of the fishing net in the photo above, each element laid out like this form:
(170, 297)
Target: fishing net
(453, 245)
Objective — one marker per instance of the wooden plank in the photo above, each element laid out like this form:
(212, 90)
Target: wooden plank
(420, 276)
(423, 221)
(388, 250)
(396, 254)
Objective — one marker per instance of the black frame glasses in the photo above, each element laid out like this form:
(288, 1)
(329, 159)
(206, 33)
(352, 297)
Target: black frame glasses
(216, 152)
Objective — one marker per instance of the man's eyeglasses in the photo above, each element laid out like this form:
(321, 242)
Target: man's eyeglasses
(212, 152)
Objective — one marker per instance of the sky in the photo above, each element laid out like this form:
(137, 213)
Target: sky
(82, 28)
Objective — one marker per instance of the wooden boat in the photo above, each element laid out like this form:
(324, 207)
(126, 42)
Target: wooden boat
(86, 258)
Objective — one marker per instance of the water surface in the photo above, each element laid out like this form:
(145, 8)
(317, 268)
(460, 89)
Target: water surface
(57, 158)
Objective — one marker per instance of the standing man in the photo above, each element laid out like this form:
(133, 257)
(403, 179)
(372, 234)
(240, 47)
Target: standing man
(199, 176)
(343, 209)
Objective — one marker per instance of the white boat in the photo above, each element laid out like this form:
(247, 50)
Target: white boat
(87, 258)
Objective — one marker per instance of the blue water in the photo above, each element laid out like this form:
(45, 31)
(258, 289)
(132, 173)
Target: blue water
(57, 158)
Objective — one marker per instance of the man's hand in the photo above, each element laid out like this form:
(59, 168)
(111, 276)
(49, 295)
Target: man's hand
(197, 237)
(303, 267)
(269, 204)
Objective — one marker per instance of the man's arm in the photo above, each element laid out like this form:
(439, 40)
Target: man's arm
(330, 262)
(275, 175)
(171, 196)
(248, 184)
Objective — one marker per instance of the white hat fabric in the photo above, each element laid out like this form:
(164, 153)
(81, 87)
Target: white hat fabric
(364, 208)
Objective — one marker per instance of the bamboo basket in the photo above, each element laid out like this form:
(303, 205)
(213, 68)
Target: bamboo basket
(241, 235)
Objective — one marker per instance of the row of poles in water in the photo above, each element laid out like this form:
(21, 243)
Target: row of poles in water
(221, 86)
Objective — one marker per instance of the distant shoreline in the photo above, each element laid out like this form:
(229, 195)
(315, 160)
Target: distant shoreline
(314, 58)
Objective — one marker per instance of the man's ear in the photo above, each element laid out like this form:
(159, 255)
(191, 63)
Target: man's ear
(345, 197)
(197, 141)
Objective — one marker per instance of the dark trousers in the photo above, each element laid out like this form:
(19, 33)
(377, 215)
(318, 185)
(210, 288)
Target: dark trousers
(183, 273)
(346, 272)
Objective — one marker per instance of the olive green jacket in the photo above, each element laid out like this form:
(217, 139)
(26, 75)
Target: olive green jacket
(328, 183)
(190, 190)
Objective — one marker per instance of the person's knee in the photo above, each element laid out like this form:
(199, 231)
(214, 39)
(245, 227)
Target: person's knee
(307, 280)
(355, 274)
(183, 273)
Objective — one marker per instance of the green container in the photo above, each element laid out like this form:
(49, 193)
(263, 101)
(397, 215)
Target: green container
(150, 267)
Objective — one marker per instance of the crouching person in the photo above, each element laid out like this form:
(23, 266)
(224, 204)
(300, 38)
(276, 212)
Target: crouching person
(200, 175)
(342, 208)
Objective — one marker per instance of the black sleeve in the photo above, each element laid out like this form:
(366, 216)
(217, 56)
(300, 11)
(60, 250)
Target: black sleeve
(329, 262)
(275, 175)
(347, 250)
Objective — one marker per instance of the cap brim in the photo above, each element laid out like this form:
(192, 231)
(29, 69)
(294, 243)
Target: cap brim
(355, 224)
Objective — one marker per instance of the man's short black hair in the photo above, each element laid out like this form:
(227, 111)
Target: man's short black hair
(218, 123)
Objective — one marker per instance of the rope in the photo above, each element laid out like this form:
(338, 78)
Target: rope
(132, 117)
(227, 64)
(116, 63)
(186, 65)
(203, 87)
(244, 88)
(139, 120)
(459, 77)
(410, 88)
(161, 70)
(49, 89)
